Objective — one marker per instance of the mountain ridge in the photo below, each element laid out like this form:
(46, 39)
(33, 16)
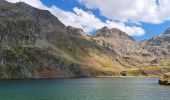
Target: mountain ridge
(35, 44)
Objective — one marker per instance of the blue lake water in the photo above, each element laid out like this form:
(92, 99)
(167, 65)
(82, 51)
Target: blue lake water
(84, 89)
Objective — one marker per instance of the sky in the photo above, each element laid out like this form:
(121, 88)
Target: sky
(141, 19)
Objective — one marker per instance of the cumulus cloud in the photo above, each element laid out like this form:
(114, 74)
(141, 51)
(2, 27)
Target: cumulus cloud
(148, 11)
(78, 18)
(132, 31)
(89, 22)
(83, 19)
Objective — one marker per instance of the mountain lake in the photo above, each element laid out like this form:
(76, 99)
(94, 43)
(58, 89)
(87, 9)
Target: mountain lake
(84, 89)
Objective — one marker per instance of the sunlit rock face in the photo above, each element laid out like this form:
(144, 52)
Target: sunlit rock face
(165, 79)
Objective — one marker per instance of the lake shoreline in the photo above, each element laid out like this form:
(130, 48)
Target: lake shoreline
(128, 77)
(86, 77)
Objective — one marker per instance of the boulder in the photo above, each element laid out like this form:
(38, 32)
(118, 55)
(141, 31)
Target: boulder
(165, 79)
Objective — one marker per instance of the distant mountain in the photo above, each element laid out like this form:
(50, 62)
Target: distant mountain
(161, 44)
(167, 31)
(160, 47)
(112, 33)
(130, 52)
(162, 40)
(113, 37)
(35, 44)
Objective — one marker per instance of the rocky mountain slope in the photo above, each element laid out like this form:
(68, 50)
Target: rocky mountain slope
(130, 53)
(160, 47)
(35, 44)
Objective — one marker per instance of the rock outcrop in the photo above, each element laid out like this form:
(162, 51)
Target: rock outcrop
(165, 79)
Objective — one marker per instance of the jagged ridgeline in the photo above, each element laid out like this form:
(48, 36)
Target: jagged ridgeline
(35, 44)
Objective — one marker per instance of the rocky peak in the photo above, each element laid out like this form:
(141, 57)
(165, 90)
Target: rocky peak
(23, 4)
(161, 40)
(103, 32)
(122, 34)
(167, 31)
(42, 16)
(3, 1)
(113, 38)
(112, 33)
(75, 31)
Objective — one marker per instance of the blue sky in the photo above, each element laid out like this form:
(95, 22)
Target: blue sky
(141, 19)
(151, 29)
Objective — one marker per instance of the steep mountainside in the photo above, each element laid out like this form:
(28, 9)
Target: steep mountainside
(35, 44)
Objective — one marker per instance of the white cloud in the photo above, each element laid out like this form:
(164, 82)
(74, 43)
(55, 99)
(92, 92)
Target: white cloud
(132, 31)
(83, 19)
(132, 10)
(89, 22)
(78, 18)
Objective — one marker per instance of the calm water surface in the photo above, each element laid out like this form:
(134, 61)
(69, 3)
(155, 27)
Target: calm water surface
(84, 89)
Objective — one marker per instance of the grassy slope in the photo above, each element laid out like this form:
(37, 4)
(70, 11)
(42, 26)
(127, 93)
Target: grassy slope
(139, 72)
(22, 62)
